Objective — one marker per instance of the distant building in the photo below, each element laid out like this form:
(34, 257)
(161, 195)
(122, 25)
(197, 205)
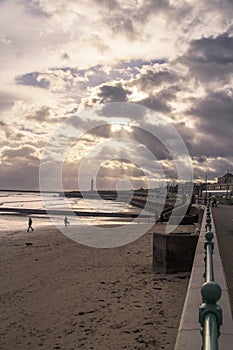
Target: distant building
(224, 183)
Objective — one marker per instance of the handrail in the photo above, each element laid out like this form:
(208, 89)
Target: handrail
(210, 314)
(209, 264)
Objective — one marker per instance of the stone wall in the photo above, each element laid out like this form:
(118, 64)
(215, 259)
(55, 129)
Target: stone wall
(173, 253)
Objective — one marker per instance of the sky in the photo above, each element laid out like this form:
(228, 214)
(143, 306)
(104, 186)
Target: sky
(71, 65)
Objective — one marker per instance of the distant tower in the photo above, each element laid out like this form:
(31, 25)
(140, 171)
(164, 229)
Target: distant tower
(92, 185)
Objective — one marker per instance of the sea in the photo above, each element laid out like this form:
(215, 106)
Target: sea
(29, 200)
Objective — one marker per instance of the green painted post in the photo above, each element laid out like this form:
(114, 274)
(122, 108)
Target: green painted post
(209, 248)
(210, 333)
(210, 315)
(208, 219)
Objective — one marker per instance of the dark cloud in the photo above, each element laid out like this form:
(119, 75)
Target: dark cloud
(212, 136)
(201, 159)
(213, 49)
(210, 58)
(24, 152)
(31, 79)
(112, 93)
(214, 112)
(156, 76)
(155, 103)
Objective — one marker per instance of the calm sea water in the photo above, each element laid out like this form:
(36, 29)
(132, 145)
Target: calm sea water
(9, 221)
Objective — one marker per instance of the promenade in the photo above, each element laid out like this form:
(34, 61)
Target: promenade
(223, 216)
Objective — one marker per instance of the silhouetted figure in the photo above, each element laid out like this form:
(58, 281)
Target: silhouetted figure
(214, 203)
(30, 224)
(66, 222)
(161, 219)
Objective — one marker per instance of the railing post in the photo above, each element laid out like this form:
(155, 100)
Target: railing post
(208, 225)
(210, 315)
(209, 248)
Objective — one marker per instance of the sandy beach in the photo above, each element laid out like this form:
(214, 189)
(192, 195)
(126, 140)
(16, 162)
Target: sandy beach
(58, 294)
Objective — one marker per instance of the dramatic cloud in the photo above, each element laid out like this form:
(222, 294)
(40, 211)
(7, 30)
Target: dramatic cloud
(25, 152)
(33, 79)
(214, 118)
(211, 58)
(111, 93)
(59, 59)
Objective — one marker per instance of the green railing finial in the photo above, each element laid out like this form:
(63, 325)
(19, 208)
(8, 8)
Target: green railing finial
(211, 292)
(210, 315)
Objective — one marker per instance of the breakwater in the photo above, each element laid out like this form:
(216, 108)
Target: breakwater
(67, 212)
(135, 198)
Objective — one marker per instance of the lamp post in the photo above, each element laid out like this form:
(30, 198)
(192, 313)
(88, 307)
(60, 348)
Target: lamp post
(206, 179)
(227, 197)
(227, 186)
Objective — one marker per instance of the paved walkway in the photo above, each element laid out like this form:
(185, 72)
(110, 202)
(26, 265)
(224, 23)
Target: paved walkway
(223, 219)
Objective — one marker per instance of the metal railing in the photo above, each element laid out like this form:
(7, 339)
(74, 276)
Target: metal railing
(210, 314)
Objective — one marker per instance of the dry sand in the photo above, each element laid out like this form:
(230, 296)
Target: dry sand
(57, 294)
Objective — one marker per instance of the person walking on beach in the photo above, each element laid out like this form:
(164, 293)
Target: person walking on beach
(66, 222)
(30, 224)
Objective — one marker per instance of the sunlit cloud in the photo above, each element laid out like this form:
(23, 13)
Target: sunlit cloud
(60, 59)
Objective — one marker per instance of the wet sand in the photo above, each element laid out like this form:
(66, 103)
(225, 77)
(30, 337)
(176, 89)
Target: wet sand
(58, 294)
